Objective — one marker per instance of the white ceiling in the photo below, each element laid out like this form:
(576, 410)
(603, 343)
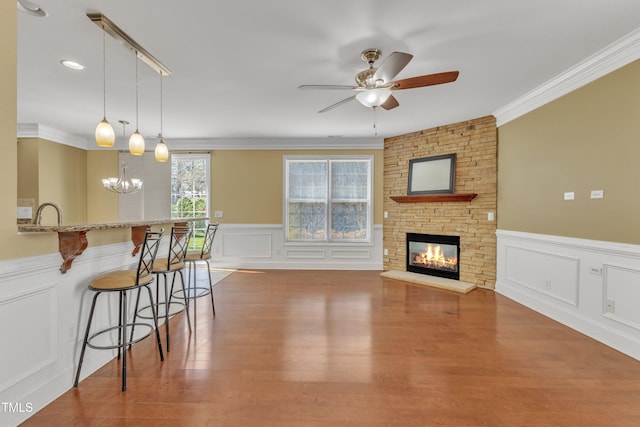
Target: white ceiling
(236, 65)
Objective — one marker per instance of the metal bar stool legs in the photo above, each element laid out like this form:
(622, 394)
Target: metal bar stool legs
(192, 259)
(123, 281)
(172, 264)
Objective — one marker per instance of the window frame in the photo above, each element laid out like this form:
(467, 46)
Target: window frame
(369, 159)
(206, 156)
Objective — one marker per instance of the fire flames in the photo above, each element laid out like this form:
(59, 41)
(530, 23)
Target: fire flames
(434, 258)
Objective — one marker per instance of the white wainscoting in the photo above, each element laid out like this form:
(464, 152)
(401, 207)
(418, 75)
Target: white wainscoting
(43, 313)
(590, 286)
(262, 246)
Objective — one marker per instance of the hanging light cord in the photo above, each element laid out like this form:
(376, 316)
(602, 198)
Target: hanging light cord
(104, 74)
(136, 91)
(375, 128)
(160, 105)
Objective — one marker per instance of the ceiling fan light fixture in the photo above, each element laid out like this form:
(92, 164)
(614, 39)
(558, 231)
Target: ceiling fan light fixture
(373, 98)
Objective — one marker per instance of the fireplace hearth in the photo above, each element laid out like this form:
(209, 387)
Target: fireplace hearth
(434, 255)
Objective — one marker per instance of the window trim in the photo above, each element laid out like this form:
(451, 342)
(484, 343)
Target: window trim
(206, 156)
(196, 156)
(328, 158)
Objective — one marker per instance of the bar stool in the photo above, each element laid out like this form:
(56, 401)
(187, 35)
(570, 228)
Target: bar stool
(172, 264)
(192, 259)
(122, 281)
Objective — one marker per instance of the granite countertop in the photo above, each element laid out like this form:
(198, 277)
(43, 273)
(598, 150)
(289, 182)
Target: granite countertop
(33, 228)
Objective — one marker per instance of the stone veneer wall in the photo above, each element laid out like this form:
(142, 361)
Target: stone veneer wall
(475, 144)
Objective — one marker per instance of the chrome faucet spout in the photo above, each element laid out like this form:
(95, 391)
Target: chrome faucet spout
(38, 217)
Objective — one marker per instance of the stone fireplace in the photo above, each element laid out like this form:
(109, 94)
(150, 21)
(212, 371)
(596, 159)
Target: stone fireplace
(474, 142)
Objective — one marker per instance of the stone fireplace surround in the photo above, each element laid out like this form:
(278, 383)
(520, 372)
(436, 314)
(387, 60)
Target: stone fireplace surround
(475, 144)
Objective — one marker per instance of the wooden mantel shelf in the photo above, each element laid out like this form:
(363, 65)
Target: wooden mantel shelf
(462, 197)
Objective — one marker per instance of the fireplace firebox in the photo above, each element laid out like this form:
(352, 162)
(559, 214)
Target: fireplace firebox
(434, 254)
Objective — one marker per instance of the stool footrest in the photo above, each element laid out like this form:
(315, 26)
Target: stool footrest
(114, 328)
(160, 310)
(192, 293)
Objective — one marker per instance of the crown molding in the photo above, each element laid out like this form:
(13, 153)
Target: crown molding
(36, 130)
(607, 60)
(331, 143)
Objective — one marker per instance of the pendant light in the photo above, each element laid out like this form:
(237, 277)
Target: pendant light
(105, 136)
(136, 141)
(161, 151)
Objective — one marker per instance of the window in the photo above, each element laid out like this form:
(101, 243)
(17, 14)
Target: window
(328, 194)
(190, 192)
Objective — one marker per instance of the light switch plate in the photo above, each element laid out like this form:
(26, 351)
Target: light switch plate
(218, 214)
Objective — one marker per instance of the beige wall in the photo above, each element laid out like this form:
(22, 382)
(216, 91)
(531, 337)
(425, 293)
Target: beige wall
(52, 172)
(28, 175)
(248, 185)
(102, 205)
(13, 246)
(62, 180)
(586, 140)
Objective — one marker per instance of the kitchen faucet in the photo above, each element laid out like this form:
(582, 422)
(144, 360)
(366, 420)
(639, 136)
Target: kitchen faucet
(38, 216)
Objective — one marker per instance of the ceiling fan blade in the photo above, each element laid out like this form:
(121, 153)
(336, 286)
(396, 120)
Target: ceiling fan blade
(426, 80)
(391, 66)
(337, 104)
(390, 103)
(338, 87)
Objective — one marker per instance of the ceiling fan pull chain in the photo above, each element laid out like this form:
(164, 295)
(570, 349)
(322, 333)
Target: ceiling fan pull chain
(375, 122)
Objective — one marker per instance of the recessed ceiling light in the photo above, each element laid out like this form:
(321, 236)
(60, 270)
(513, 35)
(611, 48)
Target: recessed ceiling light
(30, 8)
(72, 64)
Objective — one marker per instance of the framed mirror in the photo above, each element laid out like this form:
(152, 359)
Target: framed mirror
(432, 175)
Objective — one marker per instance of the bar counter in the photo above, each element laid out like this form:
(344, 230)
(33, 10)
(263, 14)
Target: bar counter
(72, 238)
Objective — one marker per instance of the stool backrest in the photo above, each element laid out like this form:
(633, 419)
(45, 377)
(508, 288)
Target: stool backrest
(208, 240)
(148, 253)
(178, 245)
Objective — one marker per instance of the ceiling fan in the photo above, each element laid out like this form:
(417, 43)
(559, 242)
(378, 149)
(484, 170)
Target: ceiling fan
(375, 85)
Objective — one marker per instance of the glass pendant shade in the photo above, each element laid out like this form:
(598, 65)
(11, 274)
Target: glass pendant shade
(136, 144)
(161, 152)
(105, 136)
(373, 98)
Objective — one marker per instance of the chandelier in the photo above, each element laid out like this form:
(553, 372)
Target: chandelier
(122, 185)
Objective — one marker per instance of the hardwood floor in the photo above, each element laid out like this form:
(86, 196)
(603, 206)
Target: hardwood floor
(349, 348)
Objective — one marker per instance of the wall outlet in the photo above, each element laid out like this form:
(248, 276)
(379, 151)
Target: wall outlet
(490, 216)
(547, 284)
(569, 195)
(386, 214)
(24, 212)
(611, 306)
(597, 194)
(595, 270)
(385, 251)
(218, 214)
